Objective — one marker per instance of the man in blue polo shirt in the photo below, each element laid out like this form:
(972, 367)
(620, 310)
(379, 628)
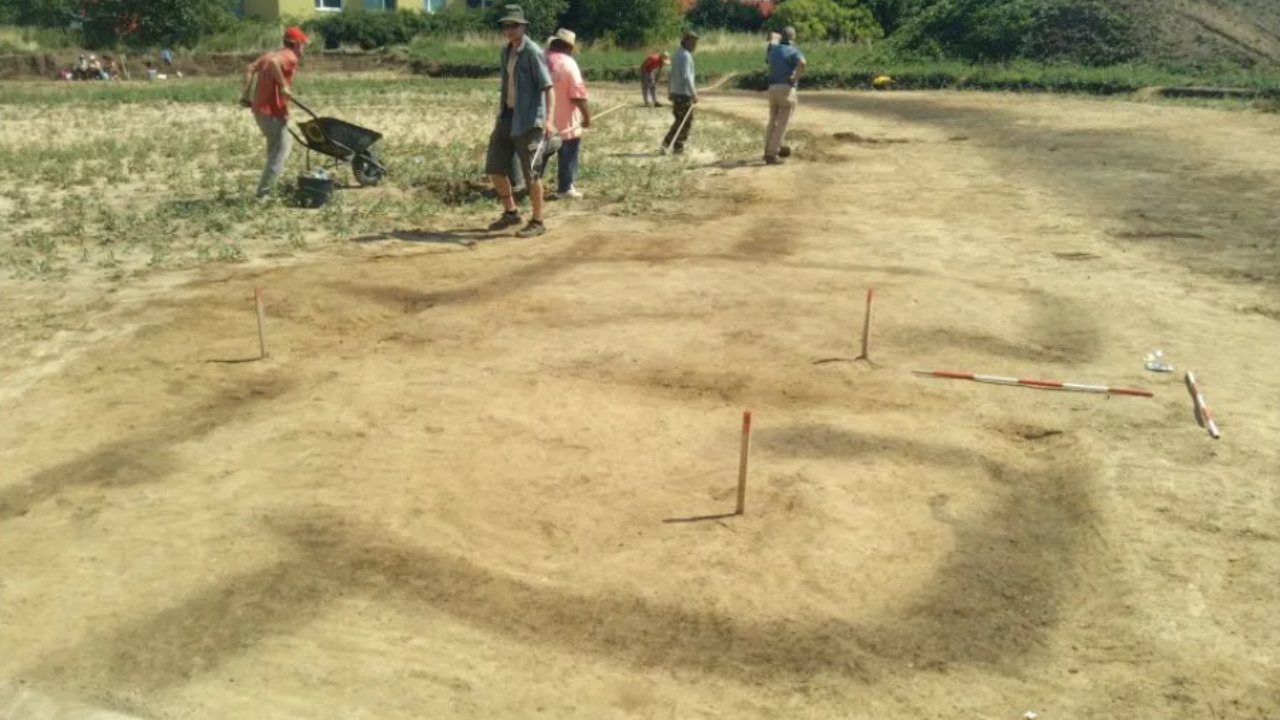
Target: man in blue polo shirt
(786, 68)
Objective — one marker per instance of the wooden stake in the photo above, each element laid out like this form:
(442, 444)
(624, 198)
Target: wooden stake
(866, 327)
(742, 462)
(262, 340)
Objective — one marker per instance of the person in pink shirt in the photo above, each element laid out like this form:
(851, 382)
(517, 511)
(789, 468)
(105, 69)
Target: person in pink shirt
(572, 113)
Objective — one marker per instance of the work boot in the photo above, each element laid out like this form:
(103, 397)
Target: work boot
(772, 160)
(533, 229)
(510, 218)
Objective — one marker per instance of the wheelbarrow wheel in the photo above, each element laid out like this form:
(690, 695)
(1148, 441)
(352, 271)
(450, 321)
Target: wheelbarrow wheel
(368, 171)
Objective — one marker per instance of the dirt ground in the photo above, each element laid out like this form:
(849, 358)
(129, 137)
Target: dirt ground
(450, 491)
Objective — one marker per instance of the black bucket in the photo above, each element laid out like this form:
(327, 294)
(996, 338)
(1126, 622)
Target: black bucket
(314, 192)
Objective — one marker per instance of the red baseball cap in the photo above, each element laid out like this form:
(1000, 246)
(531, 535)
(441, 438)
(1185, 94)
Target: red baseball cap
(296, 35)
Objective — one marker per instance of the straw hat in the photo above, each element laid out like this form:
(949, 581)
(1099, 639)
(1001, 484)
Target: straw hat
(568, 37)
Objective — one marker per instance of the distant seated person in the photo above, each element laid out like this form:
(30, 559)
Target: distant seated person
(166, 56)
(82, 68)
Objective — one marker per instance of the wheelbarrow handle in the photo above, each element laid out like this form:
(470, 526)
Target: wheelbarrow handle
(294, 100)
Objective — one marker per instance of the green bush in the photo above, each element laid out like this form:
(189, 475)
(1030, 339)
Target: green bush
(1087, 32)
(725, 14)
(44, 13)
(543, 15)
(146, 23)
(371, 30)
(835, 20)
(978, 30)
(133, 23)
(890, 14)
(634, 23)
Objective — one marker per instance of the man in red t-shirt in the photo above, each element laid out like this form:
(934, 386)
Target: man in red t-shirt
(650, 71)
(273, 74)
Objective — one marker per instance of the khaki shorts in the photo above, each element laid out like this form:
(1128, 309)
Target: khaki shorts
(503, 147)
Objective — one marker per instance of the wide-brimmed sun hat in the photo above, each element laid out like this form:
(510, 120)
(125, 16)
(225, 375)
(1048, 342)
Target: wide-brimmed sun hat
(513, 14)
(568, 37)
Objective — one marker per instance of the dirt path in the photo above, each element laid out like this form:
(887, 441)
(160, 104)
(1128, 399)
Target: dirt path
(444, 494)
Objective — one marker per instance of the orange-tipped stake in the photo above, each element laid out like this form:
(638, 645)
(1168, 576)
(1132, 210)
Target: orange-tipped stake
(262, 338)
(742, 462)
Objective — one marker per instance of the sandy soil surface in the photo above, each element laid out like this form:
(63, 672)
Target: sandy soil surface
(450, 491)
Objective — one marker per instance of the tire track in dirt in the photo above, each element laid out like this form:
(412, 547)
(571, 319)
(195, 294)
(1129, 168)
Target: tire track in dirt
(992, 602)
(1212, 219)
(146, 457)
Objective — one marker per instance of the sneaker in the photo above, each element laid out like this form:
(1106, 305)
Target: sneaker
(510, 218)
(572, 194)
(772, 160)
(533, 229)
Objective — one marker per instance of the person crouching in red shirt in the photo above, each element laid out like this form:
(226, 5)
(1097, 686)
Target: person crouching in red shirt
(273, 75)
(650, 73)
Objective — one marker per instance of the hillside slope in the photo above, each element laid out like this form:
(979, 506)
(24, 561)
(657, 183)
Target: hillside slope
(1241, 32)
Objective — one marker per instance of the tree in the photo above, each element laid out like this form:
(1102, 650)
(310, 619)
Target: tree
(891, 14)
(634, 23)
(44, 13)
(577, 17)
(837, 20)
(726, 14)
(149, 23)
(543, 15)
(1081, 31)
(979, 30)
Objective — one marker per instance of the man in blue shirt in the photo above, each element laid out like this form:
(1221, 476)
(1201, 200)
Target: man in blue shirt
(526, 106)
(683, 94)
(786, 68)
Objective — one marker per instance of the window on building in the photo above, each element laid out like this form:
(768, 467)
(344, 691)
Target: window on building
(328, 4)
(433, 6)
(379, 4)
